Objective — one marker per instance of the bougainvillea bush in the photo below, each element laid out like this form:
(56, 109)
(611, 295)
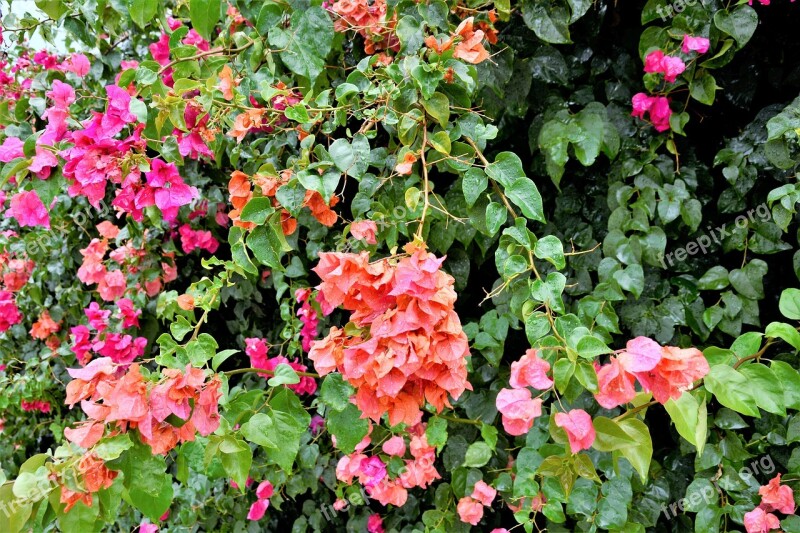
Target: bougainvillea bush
(397, 265)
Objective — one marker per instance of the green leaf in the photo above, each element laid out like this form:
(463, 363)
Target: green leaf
(550, 23)
(438, 107)
(411, 34)
(609, 436)
(789, 304)
(348, 427)
(220, 358)
(766, 388)
(641, 453)
(523, 193)
(201, 349)
(478, 454)
(343, 155)
(266, 246)
(495, 217)
(284, 375)
(473, 184)
(703, 88)
(781, 330)
(260, 430)
(436, 432)
(291, 421)
(112, 447)
(305, 45)
(790, 380)
(589, 347)
(204, 15)
(690, 419)
(440, 142)
(335, 392)
(740, 23)
(236, 458)
(550, 249)
(148, 485)
(52, 8)
(732, 390)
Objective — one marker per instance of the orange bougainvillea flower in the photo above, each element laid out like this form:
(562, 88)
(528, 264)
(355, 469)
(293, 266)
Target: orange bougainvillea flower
(470, 49)
(227, 82)
(404, 168)
(44, 327)
(240, 191)
(319, 209)
(245, 121)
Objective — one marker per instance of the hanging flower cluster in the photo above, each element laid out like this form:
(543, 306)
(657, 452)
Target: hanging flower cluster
(409, 347)
(516, 405)
(130, 401)
(774, 497)
(656, 62)
(371, 472)
(470, 508)
(664, 371)
(127, 261)
(369, 21)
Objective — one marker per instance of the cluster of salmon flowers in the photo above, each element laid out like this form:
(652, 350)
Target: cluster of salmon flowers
(774, 497)
(240, 188)
(371, 471)
(131, 401)
(15, 274)
(664, 371)
(405, 345)
(470, 43)
(369, 21)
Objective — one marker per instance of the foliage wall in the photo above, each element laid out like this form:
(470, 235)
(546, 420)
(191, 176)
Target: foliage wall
(399, 265)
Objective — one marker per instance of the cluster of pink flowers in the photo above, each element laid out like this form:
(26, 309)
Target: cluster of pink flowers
(470, 508)
(516, 405)
(308, 316)
(120, 348)
(410, 349)
(35, 405)
(257, 350)
(192, 239)
(9, 312)
(656, 62)
(665, 371)
(264, 492)
(161, 52)
(127, 261)
(774, 497)
(419, 471)
(194, 143)
(131, 401)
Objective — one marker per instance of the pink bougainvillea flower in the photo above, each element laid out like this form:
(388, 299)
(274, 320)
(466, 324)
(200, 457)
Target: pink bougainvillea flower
(42, 162)
(660, 113)
(78, 64)
(27, 208)
(146, 527)
(640, 355)
(530, 371)
(518, 410)
(674, 373)
(264, 490)
(364, 230)
(11, 148)
(375, 524)
(670, 66)
(777, 497)
(614, 385)
(395, 446)
(258, 509)
(171, 192)
(484, 493)
(470, 511)
(578, 425)
(759, 521)
(695, 44)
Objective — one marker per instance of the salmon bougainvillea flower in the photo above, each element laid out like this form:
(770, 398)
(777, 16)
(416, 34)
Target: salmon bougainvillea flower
(484, 493)
(675, 372)
(759, 521)
(777, 497)
(470, 511)
(578, 425)
(518, 410)
(405, 167)
(615, 385)
(364, 230)
(227, 82)
(530, 371)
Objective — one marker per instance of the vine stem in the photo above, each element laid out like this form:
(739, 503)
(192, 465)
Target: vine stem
(635, 410)
(425, 182)
(211, 52)
(495, 186)
(460, 420)
(265, 371)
